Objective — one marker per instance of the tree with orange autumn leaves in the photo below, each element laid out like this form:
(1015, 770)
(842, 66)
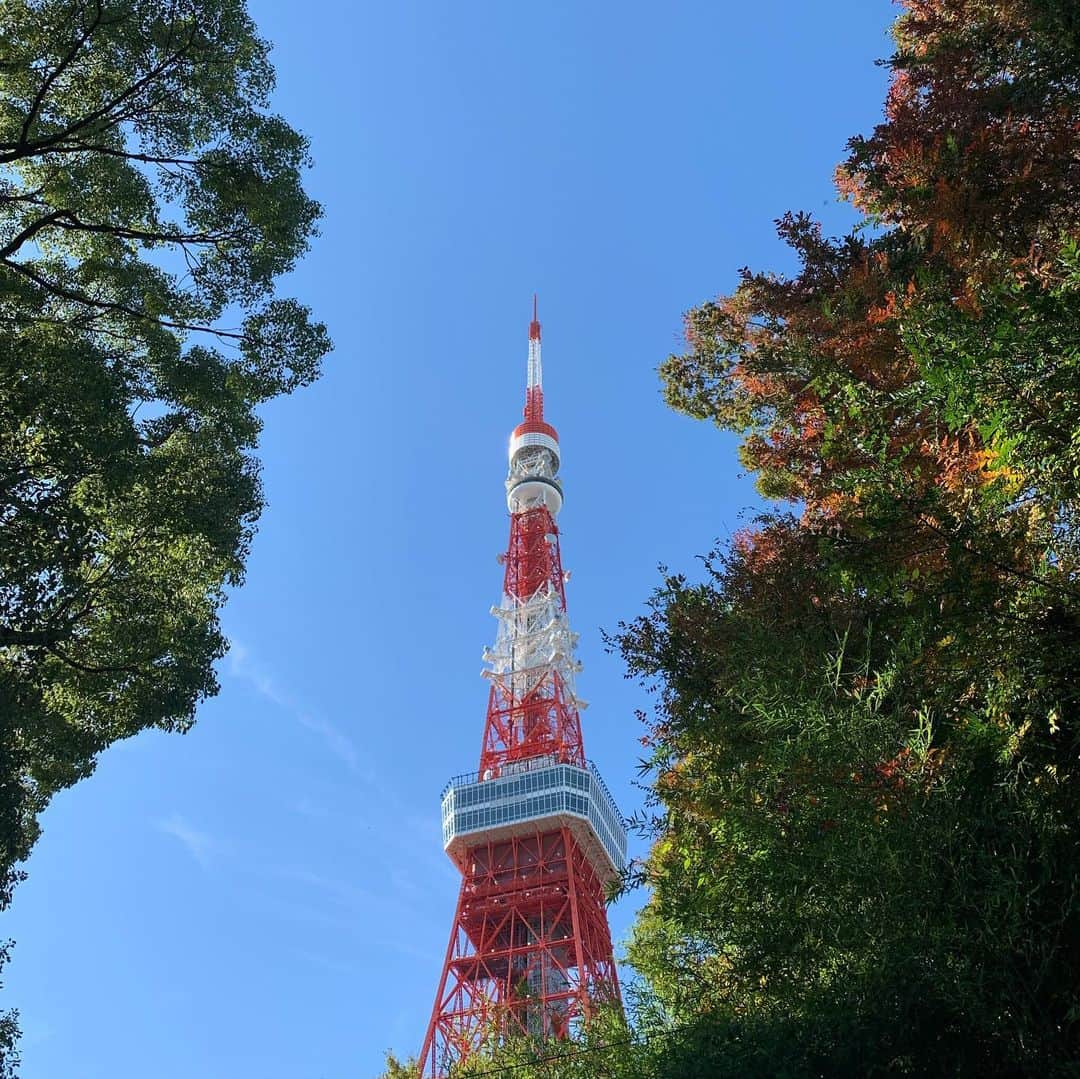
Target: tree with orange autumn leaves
(866, 747)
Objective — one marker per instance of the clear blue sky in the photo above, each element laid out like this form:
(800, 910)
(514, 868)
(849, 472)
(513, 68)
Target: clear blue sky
(267, 896)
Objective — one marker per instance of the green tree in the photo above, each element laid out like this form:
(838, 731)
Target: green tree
(9, 1029)
(148, 201)
(395, 1069)
(868, 719)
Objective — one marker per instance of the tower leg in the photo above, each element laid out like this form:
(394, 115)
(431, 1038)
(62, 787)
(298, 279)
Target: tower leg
(524, 957)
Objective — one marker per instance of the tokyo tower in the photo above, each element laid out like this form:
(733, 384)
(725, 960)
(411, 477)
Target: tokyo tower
(534, 832)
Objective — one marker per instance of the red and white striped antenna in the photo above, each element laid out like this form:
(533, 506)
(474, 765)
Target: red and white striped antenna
(534, 388)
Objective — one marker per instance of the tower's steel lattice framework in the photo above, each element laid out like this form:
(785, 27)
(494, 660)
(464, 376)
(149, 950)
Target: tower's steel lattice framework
(534, 831)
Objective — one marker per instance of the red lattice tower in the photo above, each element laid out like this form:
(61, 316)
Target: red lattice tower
(534, 831)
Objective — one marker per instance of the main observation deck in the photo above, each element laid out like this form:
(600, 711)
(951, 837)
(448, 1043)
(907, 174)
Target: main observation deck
(535, 795)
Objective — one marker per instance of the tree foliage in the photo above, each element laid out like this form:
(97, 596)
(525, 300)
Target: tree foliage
(148, 202)
(868, 725)
(9, 1029)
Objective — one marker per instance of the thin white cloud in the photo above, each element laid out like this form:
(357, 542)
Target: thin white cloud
(336, 741)
(198, 844)
(325, 961)
(243, 666)
(307, 808)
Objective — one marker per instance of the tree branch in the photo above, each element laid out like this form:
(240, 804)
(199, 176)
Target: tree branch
(29, 232)
(52, 76)
(17, 151)
(127, 155)
(75, 224)
(30, 638)
(90, 669)
(119, 308)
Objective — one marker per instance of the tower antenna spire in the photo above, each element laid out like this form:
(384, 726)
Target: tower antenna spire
(534, 387)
